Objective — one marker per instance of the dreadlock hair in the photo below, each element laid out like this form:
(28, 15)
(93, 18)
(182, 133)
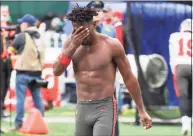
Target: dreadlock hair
(81, 14)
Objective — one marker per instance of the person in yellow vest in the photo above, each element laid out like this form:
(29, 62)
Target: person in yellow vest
(29, 48)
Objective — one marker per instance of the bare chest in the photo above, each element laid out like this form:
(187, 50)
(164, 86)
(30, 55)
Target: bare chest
(91, 58)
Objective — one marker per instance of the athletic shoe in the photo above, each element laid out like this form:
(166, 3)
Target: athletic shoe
(16, 128)
(186, 125)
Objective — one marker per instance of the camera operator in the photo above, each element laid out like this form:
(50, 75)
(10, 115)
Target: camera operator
(29, 48)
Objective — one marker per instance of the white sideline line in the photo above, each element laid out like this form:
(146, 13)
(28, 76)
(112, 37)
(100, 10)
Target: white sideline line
(121, 119)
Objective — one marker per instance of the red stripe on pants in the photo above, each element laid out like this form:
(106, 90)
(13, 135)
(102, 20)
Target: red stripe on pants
(114, 115)
(175, 82)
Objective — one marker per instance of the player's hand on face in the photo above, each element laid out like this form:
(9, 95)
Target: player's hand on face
(79, 35)
(146, 120)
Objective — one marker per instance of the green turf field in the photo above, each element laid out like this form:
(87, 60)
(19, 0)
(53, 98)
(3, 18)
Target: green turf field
(67, 129)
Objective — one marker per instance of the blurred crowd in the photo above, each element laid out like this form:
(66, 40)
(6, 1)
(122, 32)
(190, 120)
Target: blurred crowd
(53, 26)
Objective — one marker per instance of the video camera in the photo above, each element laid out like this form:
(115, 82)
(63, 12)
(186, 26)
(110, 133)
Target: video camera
(39, 82)
(9, 28)
(14, 28)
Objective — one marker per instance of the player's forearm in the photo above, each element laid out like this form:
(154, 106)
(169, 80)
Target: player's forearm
(58, 67)
(134, 89)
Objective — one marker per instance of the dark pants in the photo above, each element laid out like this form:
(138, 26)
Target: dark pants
(23, 80)
(5, 79)
(96, 117)
(183, 88)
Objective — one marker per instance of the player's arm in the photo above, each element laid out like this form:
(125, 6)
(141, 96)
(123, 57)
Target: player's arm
(130, 81)
(171, 44)
(172, 50)
(17, 46)
(67, 52)
(70, 46)
(128, 77)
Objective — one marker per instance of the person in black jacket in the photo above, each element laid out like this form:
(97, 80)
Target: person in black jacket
(6, 69)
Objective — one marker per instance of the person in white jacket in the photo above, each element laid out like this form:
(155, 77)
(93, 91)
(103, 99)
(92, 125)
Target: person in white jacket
(180, 49)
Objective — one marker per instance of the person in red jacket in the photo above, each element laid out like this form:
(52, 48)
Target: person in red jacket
(115, 19)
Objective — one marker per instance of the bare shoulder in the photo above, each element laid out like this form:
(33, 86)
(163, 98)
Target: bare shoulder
(115, 46)
(114, 42)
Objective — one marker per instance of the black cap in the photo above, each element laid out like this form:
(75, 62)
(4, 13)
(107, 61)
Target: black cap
(107, 9)
(96, 4)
